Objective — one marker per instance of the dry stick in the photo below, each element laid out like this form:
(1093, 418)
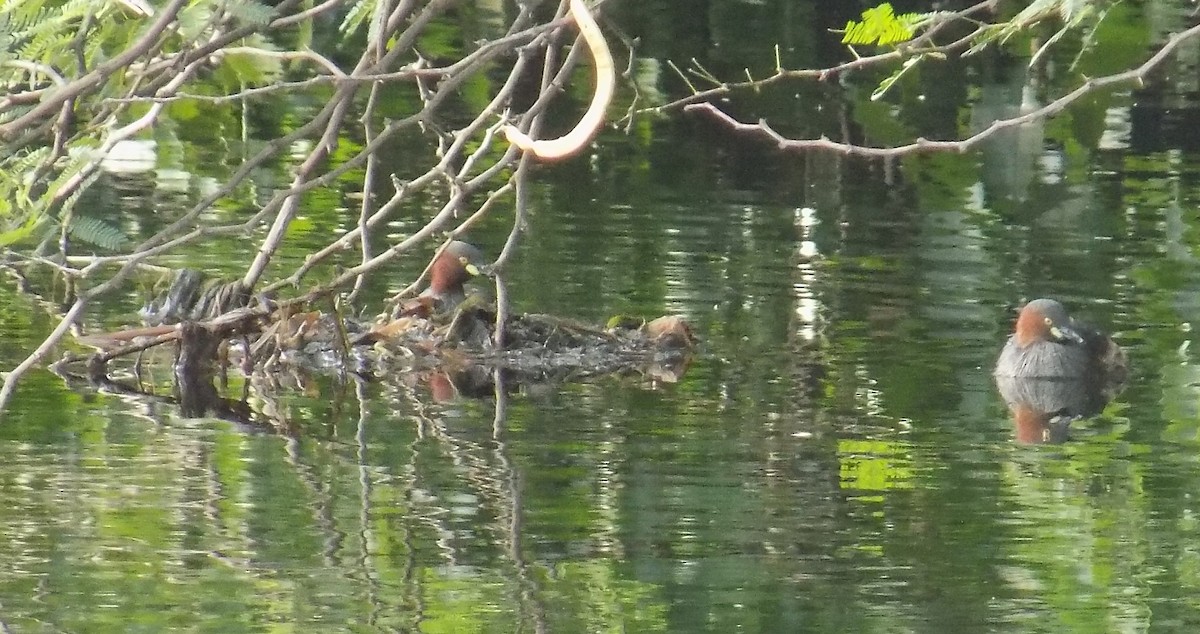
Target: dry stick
(408, 72)
(217, 42)
(270, 149)
(283, 86)
(214, 47)
(79, 179)
(492, 198)
(22, 98)
(161, 241)
(10, 379)
(120, 134)
(36, 68)
(192, 60)
(520, 178)
(407, 40)
(305, 55)
(173, 83)
(58, 149)
(291, 204)
(593, 118)
(368, 191)
(113, 111)
(520, 213)
(379, 46)
(561, 147)
(312, 12)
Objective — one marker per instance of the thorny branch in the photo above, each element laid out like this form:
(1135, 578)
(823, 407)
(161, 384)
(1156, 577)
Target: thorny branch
(924, 44)
(1135, 75)
(705, 101)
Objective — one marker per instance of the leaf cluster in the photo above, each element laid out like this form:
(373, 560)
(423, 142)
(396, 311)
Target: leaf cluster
(54, 47)
(880, 26)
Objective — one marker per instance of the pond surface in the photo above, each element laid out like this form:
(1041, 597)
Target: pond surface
(836, 458)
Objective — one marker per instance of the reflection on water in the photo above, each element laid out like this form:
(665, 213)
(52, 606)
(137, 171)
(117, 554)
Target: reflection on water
(836, 458)
(1043, 409)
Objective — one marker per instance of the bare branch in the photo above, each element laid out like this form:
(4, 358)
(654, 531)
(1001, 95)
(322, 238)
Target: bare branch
(921, 45)
(1136, 75)
(593, 118)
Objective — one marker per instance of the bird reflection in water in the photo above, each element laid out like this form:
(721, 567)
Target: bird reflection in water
(1043, 409)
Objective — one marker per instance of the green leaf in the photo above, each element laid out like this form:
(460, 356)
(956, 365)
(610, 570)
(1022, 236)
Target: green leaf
(881, 26)
(304, 30)
(22, 232)
(890, 81)
(356, 16)
(253, 13)
(97, 232)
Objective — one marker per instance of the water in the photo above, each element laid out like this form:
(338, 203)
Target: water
(835, 459)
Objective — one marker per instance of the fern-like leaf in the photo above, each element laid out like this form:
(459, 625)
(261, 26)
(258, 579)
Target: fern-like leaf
(881, 26)
(358, 15)
(1072, 14)
(97, 232)
(248, 12)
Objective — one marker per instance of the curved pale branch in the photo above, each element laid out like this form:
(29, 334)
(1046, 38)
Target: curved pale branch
(593, 118)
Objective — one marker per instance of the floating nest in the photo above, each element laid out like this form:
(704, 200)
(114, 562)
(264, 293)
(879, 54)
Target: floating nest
(535, 346)
(216, 325)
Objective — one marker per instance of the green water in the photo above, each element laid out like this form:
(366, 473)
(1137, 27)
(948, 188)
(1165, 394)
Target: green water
(835, 459)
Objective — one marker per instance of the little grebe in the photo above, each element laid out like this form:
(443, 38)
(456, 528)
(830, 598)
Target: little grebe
(1048, 343)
